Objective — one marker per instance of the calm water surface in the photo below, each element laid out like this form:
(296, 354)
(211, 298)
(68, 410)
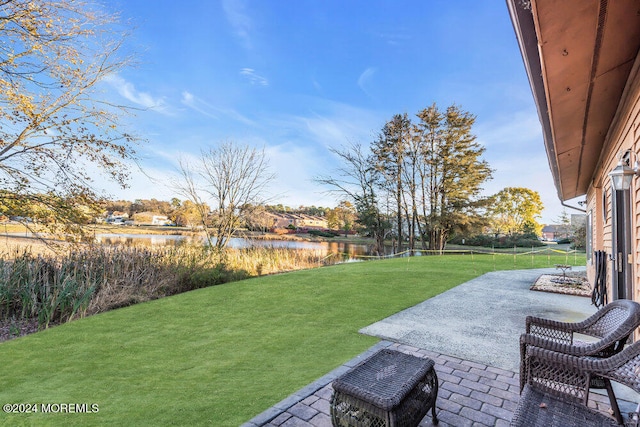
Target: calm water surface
(353, 250)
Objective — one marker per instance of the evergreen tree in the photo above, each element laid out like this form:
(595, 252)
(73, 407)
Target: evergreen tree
(433, 171)
(390, 151)
(454, 173)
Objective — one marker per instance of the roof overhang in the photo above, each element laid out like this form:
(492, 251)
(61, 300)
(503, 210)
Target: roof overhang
(578, 55)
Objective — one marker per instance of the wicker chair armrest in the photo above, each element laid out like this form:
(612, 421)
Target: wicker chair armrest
(553, 329)
(623, 367)
(562, 346)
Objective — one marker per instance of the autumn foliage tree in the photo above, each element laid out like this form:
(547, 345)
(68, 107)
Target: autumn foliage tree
(516, 210)
(342, 217)
(57, 132)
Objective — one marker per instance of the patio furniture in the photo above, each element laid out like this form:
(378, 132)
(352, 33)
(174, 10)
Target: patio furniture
(557, 388)
(564, 268)
(608, 330)
(390, 388)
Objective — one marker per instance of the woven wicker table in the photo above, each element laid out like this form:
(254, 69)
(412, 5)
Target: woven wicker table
(389, 389)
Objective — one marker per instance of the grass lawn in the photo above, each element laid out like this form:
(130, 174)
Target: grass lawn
(221, 355)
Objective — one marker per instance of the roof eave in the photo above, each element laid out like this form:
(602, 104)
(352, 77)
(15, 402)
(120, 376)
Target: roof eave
(524, 27)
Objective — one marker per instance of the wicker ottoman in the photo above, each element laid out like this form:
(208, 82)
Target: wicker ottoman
(389, 389)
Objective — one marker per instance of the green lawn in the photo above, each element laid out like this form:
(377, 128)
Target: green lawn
(221, 355)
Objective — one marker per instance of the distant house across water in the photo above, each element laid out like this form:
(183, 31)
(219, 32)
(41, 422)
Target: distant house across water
(150, 218)
(297, 221)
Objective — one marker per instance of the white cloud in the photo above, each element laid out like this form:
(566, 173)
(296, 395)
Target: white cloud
(128, 91)
(254, 78)
(209, 110)
(519, 127)
(235, 12)
(316, 85)
(364, 81)
(296, 166)
(327, 123)
(196, 104)
(395, 38)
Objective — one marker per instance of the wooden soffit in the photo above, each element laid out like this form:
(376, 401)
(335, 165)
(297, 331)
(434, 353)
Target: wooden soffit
(578, 55)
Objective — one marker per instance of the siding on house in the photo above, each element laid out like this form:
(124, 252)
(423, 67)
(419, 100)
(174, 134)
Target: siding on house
(582, 58)
(623, 135)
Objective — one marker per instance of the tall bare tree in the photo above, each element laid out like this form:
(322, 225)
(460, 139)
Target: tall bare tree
(233, 179)
(56, 129)
(427, 137)
(432, 171)
(358, 179)
(459, 182)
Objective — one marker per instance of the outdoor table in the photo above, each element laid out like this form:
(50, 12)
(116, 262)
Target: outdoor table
(389, 389)
(564, 269)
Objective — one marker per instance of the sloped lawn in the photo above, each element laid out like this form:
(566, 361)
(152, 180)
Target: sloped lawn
(221, 355)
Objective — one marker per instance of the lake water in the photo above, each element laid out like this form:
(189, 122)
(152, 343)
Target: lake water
(346, 249)
(349, 250)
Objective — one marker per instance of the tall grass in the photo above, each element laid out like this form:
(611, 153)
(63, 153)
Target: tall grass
(259, 261)
(57, 288)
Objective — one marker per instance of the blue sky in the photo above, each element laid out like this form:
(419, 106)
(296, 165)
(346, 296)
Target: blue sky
(299, 77)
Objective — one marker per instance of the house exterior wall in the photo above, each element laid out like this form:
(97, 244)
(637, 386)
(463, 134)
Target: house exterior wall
(623, 135)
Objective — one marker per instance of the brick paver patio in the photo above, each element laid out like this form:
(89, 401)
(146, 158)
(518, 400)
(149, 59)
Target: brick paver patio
(470, 394)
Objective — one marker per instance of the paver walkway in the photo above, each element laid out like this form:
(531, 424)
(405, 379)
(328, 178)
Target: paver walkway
(471, 394)
(471, 332)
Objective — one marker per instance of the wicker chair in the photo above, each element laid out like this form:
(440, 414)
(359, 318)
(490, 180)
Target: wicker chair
(557, 388)
(610, 326)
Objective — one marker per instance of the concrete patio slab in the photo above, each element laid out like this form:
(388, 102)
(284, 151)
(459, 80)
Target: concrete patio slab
(481, 320)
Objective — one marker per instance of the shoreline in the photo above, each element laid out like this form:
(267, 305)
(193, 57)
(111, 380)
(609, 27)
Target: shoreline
(17, 238)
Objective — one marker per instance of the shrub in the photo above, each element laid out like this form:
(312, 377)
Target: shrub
(323, 233)
(580, 237)
(507, 241)
(213, 276)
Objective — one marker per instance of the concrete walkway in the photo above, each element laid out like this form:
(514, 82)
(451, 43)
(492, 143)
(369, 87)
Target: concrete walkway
(471, 332)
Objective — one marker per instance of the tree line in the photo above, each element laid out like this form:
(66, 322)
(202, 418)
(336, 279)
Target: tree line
(183, 212)
(420, 181)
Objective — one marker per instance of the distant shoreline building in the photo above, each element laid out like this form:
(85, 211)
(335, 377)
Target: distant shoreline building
(297, 221)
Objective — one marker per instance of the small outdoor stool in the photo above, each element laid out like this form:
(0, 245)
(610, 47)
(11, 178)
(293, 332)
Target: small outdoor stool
(388, 389)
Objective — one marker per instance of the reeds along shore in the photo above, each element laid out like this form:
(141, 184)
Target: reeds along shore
(55, 287)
